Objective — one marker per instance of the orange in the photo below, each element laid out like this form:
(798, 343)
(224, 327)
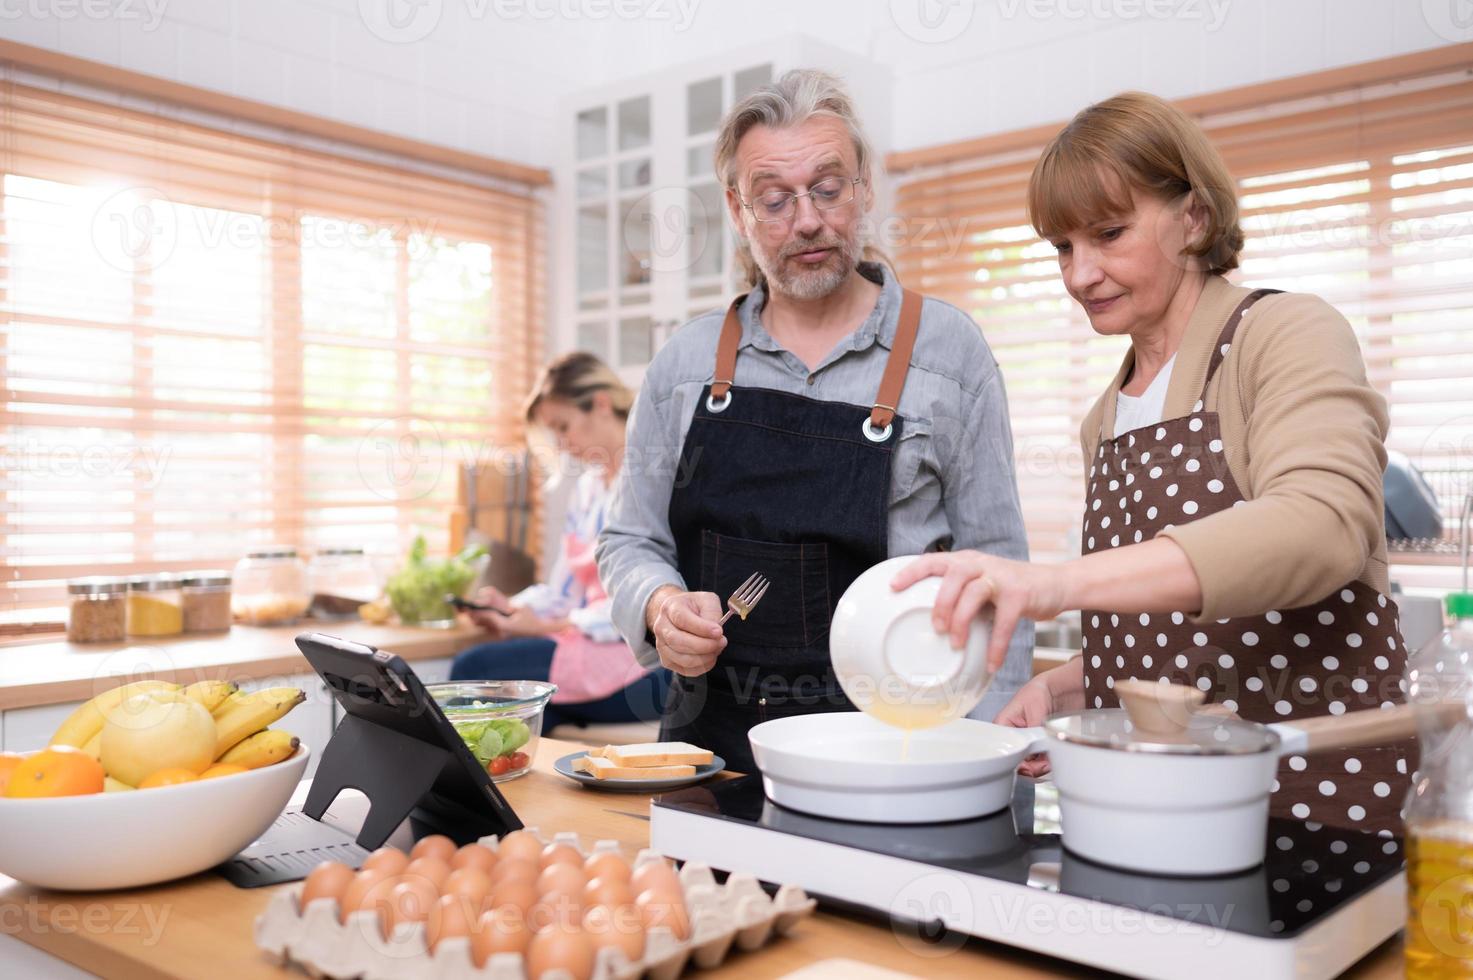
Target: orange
(8, 762)
(222, 769)
(168, 777)
(57, 771)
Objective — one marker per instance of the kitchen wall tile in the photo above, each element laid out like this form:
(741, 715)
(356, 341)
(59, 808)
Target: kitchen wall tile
(207, 59)
(153, 52)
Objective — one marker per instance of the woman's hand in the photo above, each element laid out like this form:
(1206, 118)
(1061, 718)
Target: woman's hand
(1049, 693)
(485, 618)
(971, 580)
(524, 622)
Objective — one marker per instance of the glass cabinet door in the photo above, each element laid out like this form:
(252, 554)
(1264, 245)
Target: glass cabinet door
(652, 243)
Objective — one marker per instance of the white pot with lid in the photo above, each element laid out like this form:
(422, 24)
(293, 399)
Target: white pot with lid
(1189, 794)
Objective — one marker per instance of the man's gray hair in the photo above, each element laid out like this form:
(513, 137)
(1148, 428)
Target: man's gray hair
(796, 97)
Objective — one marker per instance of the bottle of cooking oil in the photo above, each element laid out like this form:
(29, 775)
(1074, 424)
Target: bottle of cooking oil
(1439, 822)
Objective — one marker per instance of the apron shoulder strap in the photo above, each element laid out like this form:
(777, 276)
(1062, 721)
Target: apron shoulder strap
(892, 383)
(1230, 330)
(726, 350)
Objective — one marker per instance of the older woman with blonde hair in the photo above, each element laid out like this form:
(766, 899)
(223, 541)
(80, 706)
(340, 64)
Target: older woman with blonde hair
(1233, 525)
(560, 630)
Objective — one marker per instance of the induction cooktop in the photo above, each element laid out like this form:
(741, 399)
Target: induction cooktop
(1323, 898)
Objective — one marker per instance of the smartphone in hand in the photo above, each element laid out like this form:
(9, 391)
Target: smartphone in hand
(466, 605)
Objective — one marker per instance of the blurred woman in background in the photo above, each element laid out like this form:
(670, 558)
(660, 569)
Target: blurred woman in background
(560, 631)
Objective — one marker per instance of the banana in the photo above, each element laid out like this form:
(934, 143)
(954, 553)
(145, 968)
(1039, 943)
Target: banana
(94, 746)
(210, 694)
(262, 749)
(82, 725)
(243, 715)
(111, 785)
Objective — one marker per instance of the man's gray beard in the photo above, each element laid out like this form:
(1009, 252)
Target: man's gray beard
(811, 284)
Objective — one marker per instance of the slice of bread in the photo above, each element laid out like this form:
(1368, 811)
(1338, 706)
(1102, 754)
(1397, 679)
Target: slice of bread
(605, 769)
(658, 754)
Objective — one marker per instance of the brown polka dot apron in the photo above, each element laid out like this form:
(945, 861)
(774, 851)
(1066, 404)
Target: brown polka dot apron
(1343, 653)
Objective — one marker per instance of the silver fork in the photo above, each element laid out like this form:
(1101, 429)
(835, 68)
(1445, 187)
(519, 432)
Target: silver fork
(746, 596)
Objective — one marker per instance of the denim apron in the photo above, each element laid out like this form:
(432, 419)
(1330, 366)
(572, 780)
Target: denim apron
(797, 489)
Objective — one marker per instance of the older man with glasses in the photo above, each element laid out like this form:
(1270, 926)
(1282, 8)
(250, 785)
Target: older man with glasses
(828, 420)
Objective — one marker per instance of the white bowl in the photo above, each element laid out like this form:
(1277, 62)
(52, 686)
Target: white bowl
(892, 663)
(851, 767)
(128, 839)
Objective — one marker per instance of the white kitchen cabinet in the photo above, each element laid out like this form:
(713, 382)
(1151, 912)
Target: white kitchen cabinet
(28, 729)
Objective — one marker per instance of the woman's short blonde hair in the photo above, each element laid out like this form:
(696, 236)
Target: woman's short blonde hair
(1135, 142)
(575, 378)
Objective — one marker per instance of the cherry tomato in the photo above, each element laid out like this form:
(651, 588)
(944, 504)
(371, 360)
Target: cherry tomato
(499, 766)
(519, 760)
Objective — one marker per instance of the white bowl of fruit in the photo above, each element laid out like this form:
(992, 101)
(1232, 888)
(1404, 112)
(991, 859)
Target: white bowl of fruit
(148, 782)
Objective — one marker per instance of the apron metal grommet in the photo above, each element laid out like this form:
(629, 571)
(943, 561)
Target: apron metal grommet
(717, 408)
(881, 435)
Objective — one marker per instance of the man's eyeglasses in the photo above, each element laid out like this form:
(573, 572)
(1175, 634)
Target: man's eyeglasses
(827, 194)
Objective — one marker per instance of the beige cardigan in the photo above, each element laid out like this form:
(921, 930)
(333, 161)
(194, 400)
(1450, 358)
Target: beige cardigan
(1304, 434)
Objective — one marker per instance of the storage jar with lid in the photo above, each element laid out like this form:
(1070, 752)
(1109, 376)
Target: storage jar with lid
(206, 600)
(154, 606)
(96, 609)
(270, 587)
(341, 579)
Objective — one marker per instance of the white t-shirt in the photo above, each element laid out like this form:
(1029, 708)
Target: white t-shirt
(1134, 412)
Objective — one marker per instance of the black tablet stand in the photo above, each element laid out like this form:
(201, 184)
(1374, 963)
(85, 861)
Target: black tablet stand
(397, 773)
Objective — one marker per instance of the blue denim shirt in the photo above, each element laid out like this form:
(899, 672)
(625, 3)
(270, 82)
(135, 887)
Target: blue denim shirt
(952, 484)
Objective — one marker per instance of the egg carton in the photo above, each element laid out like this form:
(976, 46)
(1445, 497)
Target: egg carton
(737, 914)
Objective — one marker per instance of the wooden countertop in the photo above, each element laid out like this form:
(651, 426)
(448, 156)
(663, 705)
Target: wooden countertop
(55, 672)
(203, 925)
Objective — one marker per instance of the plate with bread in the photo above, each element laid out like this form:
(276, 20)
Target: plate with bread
(640, 768)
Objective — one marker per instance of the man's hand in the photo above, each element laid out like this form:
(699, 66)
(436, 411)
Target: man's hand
(686, 629)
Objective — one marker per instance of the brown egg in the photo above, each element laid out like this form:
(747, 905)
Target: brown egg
(508, 871)
(330, 879)
(657, 908)
(389, 860)
(554, 910)
(500, 931)
(473, 856)
(451, 920)
(355, 897)
(519, 895)
(653, 873)
(564, 879)
(616, 925)
(412, 899)
(435, 845)
(607, 891)
(560, 854)
(376, 899)
(432, 868)
(520, 845)
(561, 948)
(608, 865)
(471, 884)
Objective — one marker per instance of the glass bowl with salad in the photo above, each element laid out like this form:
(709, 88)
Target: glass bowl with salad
(499, 721)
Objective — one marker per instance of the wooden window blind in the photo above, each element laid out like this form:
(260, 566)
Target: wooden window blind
(211, 341)
(1357, 186)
